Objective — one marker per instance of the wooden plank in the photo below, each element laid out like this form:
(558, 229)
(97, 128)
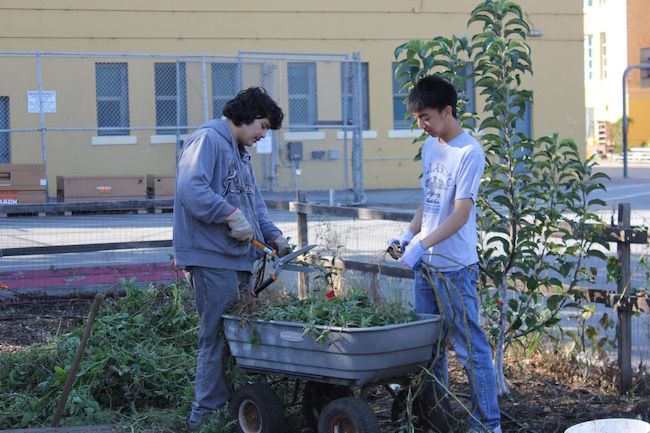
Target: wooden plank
(350, 212)
(396, 271)
(103, 206)
(83, 248)
(632, 235)
(623, 252)
(608, 298)
(303, 240)
(277, 204)
(87, 206)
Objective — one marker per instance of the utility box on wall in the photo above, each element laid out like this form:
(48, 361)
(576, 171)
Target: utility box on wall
(294, 150)
(22, 183)
(161, 186)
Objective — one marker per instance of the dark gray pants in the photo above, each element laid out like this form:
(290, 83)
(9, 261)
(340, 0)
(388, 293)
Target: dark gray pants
(214, 291)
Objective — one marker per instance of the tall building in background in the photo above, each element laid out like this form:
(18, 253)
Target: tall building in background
(638, 52)
(616, 37)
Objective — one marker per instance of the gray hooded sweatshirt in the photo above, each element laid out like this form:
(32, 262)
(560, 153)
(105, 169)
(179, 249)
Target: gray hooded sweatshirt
(213, 178)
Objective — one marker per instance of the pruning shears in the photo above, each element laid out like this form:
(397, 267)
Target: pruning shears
(395, 250)
(289, 262)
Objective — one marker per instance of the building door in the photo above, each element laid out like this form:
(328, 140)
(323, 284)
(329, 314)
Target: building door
(5, 145)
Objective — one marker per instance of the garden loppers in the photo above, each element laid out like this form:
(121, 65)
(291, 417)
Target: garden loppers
(289, 262)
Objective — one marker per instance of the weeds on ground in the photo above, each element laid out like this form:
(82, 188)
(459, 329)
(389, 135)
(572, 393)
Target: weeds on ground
(137, 369)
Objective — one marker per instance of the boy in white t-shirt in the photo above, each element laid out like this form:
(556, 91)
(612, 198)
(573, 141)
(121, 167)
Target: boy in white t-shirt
(453, 163)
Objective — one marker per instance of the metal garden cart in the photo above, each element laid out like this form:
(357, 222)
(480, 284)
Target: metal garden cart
(330, 369)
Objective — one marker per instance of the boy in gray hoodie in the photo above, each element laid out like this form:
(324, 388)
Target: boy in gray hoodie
(218, 210)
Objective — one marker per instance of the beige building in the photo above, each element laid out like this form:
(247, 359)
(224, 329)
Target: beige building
(133, 98)
(616, 37)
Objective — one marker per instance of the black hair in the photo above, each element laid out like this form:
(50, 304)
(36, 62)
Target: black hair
(432, 91)
(253, 103)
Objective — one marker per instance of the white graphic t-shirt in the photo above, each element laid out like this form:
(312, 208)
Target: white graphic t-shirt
(451, 171)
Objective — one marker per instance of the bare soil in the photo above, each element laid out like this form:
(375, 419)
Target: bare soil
(27, 322)
(548, 393)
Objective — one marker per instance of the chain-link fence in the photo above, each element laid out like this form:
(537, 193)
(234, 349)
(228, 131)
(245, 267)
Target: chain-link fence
(91, 114)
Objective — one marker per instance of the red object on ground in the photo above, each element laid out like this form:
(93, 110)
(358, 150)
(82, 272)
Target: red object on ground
(69, 279)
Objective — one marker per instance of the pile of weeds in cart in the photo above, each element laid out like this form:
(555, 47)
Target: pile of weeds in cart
(137, 370)
(319, 312)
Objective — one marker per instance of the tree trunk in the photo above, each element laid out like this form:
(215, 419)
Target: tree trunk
(502, 387)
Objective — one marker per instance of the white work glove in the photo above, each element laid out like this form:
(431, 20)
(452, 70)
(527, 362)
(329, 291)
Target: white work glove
(239, 228)
(402, 240)
(282, 246)
(413, 255)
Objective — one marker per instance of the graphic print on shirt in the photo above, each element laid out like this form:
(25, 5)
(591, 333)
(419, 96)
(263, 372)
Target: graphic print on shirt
(437, 180)
(232, 183)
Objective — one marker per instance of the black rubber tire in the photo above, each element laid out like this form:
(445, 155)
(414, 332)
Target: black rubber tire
(315, 396)
(350, 415)
(257, 409)
(429, 416)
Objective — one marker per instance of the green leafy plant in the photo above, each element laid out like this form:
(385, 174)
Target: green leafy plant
(536, 230)
(140, 357)
(351, 310)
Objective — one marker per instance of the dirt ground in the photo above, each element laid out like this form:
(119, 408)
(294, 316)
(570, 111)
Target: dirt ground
(548, 393)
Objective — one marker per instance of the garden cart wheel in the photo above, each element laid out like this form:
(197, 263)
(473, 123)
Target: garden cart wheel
(257, 409)
(348, 415)
(316, 395)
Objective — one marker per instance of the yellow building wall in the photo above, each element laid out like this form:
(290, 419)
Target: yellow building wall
(372, 27)
(639, 129)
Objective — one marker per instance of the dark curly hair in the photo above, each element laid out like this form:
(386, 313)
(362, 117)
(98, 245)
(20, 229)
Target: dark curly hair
(253, 103)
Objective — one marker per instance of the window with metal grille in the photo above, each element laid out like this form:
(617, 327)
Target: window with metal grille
(590, 123)
(5, 144)
(171, 97)
(225, 85)
(603, 56)
(645, 72)
(347, 86)
(399, 109)
(589, 57)
(301, 82)
(112, 92)
(468, 93)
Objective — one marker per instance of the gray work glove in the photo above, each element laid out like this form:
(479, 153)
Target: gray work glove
(282, 246)
(239, 228)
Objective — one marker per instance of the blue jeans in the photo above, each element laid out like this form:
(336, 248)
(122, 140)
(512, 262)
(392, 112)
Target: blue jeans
(214, 291)
(454, 296)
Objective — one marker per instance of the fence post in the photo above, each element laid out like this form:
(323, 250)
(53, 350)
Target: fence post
(624, 314)
(303, 240)
(41, 122)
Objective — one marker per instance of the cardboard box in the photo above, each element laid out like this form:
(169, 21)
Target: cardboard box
(21, 196)
(99, 188)
(161, 186)
(22, 175)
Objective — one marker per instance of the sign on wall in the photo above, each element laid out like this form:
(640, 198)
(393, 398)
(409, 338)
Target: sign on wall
(48, 99)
